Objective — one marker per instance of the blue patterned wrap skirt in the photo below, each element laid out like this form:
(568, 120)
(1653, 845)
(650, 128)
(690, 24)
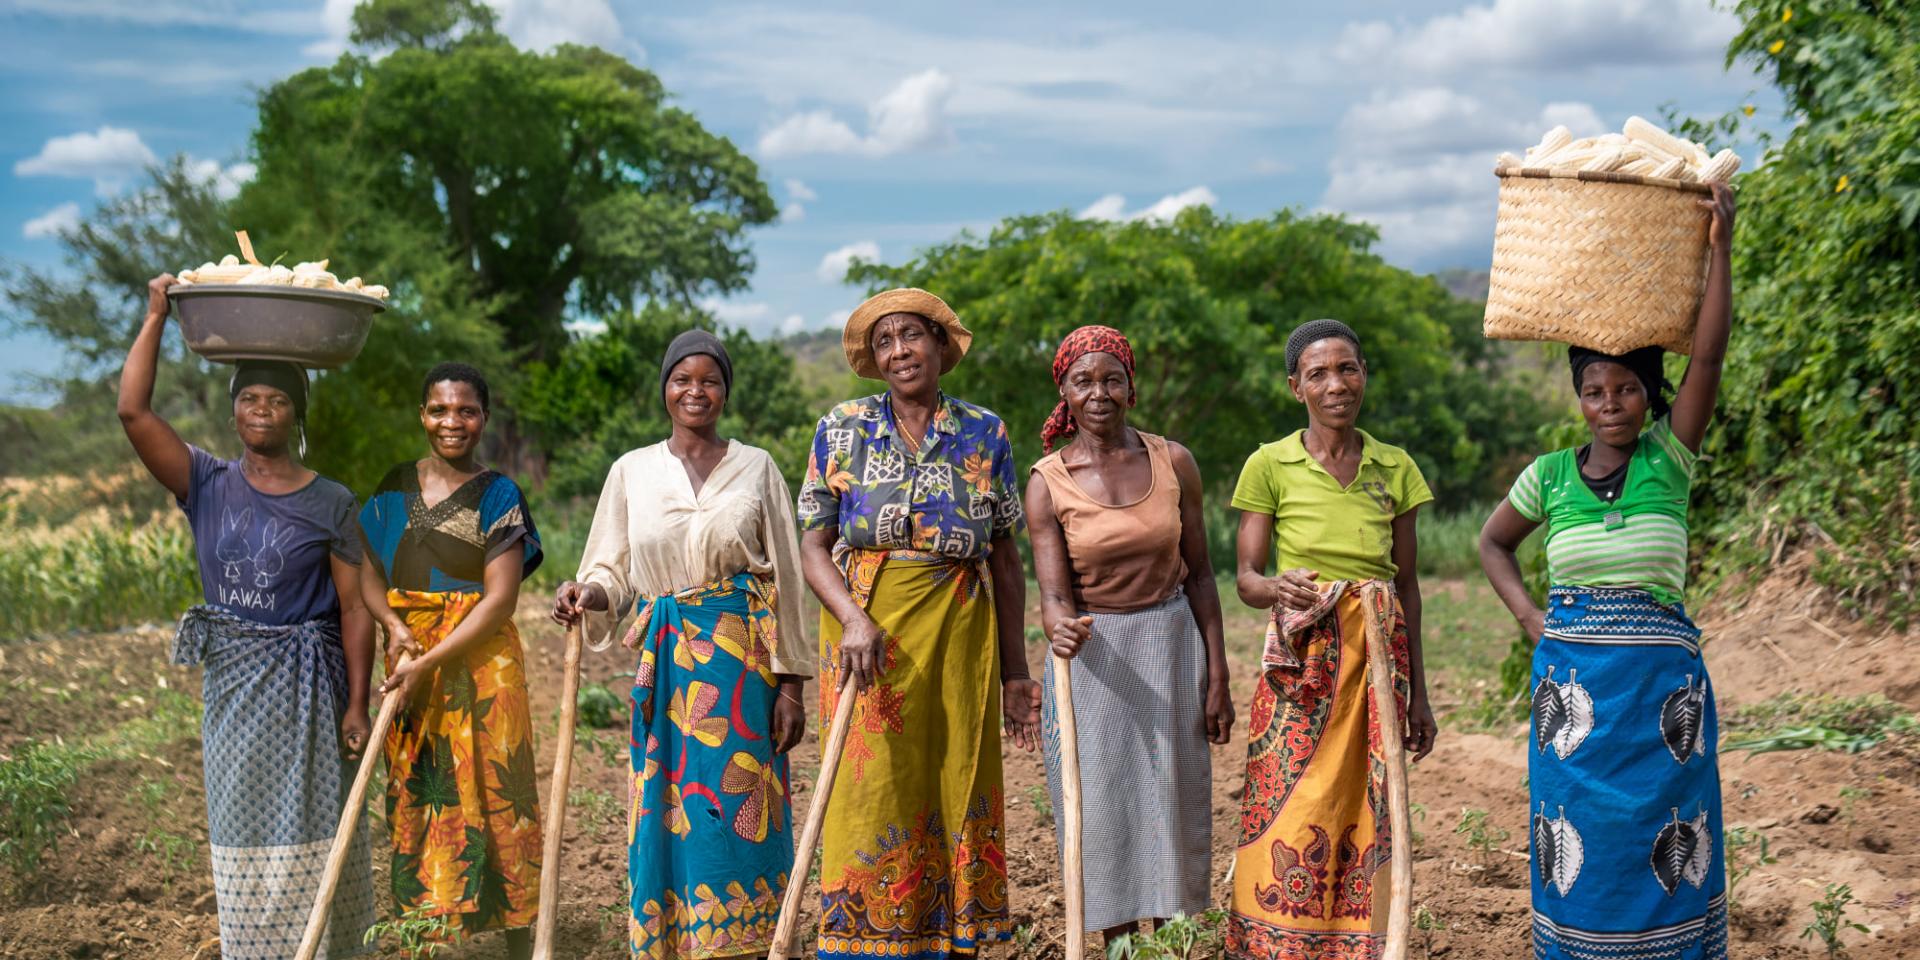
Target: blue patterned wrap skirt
(1624, 824)
(275, 780)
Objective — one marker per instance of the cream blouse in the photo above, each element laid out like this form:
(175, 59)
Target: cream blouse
(652, 535)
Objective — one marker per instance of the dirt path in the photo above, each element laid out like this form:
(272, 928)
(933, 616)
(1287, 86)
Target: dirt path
(129, 878)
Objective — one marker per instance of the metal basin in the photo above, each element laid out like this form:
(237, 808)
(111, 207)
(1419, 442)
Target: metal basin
(226, 322)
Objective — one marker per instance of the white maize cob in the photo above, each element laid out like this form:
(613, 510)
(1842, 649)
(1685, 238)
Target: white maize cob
(1721, 168)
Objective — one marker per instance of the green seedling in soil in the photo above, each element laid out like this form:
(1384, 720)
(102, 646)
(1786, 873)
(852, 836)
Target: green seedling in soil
(1747, 851)
(33, 802)
(1830, 920)
(1849, 797)
(1042, 804)
(600, 708)
(421, 936)
(1416, 811)
(1425, 922)
(1483, 837)
(1178, 938)
(612, 919)
(152, 794)
(597, 809)
(1023, 937)
(612, 750)
(1819, 721)
(176, 854)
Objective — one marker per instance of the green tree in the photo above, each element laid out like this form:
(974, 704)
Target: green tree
(1208, 302)
(552, 183)
(1820, 422)
(601, 397)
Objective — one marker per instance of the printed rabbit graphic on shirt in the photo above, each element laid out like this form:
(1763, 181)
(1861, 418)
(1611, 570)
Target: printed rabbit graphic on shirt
(232, 548)
(270, 559)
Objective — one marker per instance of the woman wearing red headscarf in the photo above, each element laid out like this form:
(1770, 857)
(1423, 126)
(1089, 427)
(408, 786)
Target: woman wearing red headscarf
(1127, 593)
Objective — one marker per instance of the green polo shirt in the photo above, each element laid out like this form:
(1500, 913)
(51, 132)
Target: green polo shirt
(1344, 533)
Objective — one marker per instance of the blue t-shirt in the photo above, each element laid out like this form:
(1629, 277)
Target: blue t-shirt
(265, 557)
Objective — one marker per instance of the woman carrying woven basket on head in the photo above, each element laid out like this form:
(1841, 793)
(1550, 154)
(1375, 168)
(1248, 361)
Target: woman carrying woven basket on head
(909, 513)
(448, 543)
(694, 536)
(1127, 592)
(1336, 507)
(287, 647)
(1623, 770)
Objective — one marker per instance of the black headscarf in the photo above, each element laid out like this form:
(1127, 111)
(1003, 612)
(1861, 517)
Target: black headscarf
(696, 342)
(288, 378)
(1312, 332)
(1648, 364)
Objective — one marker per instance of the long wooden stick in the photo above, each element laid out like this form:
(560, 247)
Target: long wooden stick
(548, 907)
(1070, 807)
(810, 833)
(350, 816)
(1393, 744)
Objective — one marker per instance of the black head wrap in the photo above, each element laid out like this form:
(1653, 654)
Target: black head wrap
(695, 342)
(1647, 363)
(288, 378)
(1312, 332)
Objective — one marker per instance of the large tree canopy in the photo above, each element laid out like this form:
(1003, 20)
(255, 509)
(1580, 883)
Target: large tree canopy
(1208, 302)
(1820, 420)
(555, 181)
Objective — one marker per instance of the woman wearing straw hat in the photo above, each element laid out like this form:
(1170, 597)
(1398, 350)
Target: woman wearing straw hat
(287, 647)
(443, 576)
(694, 536)
(1336, 508)
(1623, 770)
(1127, 592)
(909, 513)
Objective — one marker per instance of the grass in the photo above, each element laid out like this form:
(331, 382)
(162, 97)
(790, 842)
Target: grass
(33, 802)
(1797, 721)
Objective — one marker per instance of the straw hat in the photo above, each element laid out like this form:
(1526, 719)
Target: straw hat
(854, 339)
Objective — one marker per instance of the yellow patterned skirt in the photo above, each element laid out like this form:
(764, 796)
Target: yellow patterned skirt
(461, 792)
(1313, 868)
(913, 863)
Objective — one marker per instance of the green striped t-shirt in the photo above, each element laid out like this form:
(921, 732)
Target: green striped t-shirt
(1639, 541)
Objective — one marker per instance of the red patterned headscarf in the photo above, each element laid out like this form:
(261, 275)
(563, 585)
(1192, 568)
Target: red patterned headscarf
(1089, 339)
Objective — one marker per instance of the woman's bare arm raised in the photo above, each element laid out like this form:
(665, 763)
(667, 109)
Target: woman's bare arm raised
(159, 447)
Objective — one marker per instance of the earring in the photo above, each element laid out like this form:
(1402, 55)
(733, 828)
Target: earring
(303, 442)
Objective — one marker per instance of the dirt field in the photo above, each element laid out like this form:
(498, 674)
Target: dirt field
(130, 879)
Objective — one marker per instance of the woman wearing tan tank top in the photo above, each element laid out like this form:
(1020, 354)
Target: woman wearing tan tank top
(1127, 593)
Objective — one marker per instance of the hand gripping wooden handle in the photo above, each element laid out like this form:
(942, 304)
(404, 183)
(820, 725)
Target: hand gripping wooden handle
(810, 834)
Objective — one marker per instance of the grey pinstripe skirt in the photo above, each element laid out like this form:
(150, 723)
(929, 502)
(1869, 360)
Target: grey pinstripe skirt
(1139, 697)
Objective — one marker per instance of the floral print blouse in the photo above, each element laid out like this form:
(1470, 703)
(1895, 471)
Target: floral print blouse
(950, 499)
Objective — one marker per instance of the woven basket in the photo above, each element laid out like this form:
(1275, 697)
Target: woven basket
(1608, 261)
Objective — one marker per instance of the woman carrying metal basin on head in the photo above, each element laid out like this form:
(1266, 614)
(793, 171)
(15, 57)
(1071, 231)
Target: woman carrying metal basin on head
(286, 645)
(909, 513)
(448, 543)
(1127, 592)
(694, 537)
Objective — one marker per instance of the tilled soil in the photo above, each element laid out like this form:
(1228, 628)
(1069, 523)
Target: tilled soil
(129, 878)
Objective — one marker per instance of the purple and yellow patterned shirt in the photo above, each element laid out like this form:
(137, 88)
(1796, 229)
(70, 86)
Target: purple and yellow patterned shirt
(952, 498)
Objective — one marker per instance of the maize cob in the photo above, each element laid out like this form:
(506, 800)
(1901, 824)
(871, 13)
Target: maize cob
(1721, 168)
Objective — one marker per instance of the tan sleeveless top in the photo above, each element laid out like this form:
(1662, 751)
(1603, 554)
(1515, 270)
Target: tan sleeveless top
(1122, 557)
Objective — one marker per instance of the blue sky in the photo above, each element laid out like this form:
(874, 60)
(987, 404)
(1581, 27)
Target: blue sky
(882, 128)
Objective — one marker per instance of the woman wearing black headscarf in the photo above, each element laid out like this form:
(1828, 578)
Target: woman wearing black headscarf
(287, 646)
(1623, 778)
(694, 536)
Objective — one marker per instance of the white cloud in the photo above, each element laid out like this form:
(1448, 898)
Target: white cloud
(911, 116)
(226, 180)
(800, 191)
(61, 219)
(833, 266)
(735, 313)
(1544, 35)
(533, 24)
(1113, 206)
(1419, 165)
(836, 319)
(793, 213)
(107, 156)
(794, 323)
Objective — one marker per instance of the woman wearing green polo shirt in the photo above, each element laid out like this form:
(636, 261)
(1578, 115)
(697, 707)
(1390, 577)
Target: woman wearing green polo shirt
(1623, 770)
(1337, 508)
